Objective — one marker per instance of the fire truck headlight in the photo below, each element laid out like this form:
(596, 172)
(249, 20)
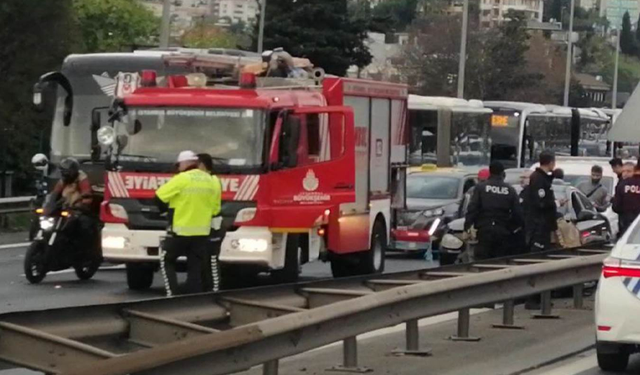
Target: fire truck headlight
(106, 135)
(246, 214)
(115, 242)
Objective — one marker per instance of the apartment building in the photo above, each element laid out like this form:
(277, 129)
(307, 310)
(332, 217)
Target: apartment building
(235, 11)
(493, 12)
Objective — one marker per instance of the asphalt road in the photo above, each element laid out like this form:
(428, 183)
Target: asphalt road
(586, 364)
(63, 289)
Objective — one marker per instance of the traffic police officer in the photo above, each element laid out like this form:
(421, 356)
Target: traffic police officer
(541, 204)
(626, 201)
(193, 197)
(495, 212)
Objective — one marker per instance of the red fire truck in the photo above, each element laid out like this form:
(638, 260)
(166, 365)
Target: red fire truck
(309, 169)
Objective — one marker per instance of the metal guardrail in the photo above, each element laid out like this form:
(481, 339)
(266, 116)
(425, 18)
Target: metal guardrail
(15, 205)
(222, 333)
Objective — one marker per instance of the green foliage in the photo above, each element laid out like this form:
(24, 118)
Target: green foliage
(400, 12)
(321, 31)
(628, 44)
(115, 25)
(207, 35)
(34, 38)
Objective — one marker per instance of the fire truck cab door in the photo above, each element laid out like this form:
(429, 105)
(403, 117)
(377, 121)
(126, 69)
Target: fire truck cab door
(312, 162)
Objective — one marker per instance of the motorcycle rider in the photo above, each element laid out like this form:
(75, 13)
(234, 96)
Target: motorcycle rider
(73, 191)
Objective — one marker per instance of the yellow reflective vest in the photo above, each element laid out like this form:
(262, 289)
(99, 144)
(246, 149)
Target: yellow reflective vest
(195, 198)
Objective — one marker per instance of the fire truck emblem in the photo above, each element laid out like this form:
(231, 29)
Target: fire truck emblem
(310, 182)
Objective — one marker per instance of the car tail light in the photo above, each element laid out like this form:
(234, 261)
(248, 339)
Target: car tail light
(604, 328)
(586, 234)
(113, 213)
(411, 235)
(615, 267)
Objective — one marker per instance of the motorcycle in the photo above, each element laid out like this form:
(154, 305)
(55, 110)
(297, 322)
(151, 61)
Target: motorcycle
(55, 248)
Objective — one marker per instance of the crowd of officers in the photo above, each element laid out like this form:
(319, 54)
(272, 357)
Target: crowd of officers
(508, 223)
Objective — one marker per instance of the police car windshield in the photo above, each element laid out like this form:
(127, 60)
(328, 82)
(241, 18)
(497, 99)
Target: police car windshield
(425, 186)
(233, 136)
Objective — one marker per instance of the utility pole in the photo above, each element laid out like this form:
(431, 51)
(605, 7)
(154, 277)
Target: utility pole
(263, 11)
(614, 94)
(567, 76)
(463, 49)
(166, 24)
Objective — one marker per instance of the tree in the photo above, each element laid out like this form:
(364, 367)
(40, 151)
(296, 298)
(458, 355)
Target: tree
(34, 38)
(638, 31)
(320, 31)
(115, 25)
(627, 41)
(207, 35)
(401, 12)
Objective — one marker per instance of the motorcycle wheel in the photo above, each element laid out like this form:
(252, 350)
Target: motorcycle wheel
(88, 269)
(34, 262)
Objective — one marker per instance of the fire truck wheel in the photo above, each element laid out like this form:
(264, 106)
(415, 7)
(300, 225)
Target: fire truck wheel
(139, 275)
(372, 261)
(291, 270)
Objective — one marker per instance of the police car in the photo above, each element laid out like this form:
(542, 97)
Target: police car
(618, 303)
(434, 197)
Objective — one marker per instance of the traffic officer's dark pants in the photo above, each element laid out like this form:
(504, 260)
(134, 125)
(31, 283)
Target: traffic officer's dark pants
(493, 242)
(196, 249)
(211, 267)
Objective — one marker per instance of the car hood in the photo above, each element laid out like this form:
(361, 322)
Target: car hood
(425, 204)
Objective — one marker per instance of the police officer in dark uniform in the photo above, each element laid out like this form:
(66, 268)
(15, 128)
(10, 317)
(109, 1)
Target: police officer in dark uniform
(626, 202)
(541, 204)
(495, 212)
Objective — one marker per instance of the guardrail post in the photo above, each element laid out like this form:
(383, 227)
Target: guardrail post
(507, 316)
(463, 327)
(545, 307)
(578, 300)
(350, 358)
(412, 341)
(270, 368)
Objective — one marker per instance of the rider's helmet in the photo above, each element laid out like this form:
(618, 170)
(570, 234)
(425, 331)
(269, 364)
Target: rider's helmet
(69, 170)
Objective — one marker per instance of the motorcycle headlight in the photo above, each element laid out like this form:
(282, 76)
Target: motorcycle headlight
(46, 223)
(452, 242)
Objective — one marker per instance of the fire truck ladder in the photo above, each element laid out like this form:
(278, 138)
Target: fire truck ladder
(226, 332)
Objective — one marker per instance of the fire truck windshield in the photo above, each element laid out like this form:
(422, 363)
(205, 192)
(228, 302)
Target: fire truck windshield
(234, 137)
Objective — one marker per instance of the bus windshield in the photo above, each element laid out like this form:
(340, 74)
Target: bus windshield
(92, 78)
(232, 136)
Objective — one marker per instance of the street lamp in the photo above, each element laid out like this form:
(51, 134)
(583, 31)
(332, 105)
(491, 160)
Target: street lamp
(567, 74)
(166, 23)
(614, 94)
(263, 10)
(463, 49)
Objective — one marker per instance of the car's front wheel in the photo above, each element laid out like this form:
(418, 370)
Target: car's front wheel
(615, 360)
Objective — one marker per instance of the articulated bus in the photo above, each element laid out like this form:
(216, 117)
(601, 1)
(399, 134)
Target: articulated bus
(465, 142)
(520, 131)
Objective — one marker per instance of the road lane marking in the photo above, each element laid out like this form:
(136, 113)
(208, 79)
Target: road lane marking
(14, 245)
(573, 368)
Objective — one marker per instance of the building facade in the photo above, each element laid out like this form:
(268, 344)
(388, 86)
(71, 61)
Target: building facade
(234, 11)
(614, 10)
(492, 12)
